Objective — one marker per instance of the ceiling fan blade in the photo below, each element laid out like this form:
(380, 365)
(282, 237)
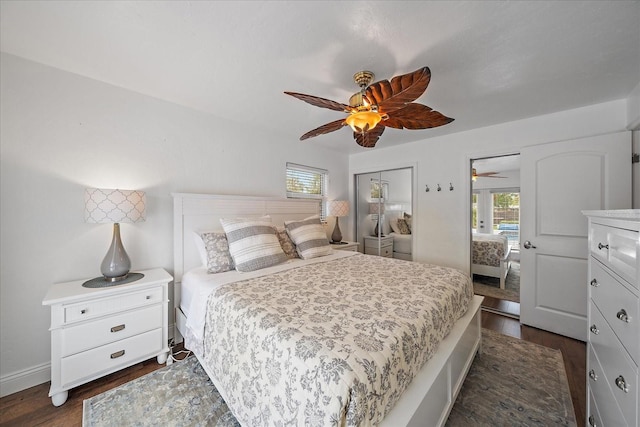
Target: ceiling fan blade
(321, 102)
(489, 175)
(416, 116)
(391, 96)
(369, 138)
(326, 128)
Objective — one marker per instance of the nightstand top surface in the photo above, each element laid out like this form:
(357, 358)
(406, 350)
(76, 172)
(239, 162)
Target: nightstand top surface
(71, 291)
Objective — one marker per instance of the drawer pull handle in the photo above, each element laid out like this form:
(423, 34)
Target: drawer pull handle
(117, 354)
(594, 329)
(594, 283)
(83, 311)
(592, 421)
(117, 328)
(592, 375)
(622, 315)
(622, 385)
(601, 246)
(148, 296)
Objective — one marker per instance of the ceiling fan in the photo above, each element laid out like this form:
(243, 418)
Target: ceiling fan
(475, 175)
(379, 105)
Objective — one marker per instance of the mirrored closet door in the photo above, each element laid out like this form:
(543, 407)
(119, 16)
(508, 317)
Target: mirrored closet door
(384, 213)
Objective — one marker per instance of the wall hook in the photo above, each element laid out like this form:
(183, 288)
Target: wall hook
(426, 190)
(450, 187)
(439, 189)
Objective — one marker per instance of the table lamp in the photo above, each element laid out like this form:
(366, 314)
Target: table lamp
(376, 209)
(115, 207)
(338, 208)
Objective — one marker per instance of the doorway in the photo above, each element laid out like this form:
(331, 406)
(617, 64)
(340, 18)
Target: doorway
(495, 231)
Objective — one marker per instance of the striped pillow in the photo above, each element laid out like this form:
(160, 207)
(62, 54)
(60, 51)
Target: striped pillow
(309, 236)
(253, 244)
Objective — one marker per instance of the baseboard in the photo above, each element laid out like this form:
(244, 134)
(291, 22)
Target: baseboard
(36, 375)
(25, 379)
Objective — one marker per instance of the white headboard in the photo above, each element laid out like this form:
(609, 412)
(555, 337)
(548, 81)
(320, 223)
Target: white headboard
(199, 212)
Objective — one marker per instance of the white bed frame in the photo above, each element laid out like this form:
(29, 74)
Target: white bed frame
(500, 271)
(431, 395)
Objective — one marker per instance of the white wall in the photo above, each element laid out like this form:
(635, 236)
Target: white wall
(442, 218)
(61, 133)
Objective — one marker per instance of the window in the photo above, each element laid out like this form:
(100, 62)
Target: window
(506, 215)
(307, 182)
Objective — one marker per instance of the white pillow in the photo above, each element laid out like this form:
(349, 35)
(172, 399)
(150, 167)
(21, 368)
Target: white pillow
(393, 222)
(253, 244)
(309, 236)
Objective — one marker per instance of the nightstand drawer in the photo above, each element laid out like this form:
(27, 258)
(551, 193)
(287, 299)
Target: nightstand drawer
(620, 308)
(110, 357)
(104, 331)
(100, 307)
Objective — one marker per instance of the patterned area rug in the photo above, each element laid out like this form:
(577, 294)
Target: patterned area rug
(490, 286)
(512, 383)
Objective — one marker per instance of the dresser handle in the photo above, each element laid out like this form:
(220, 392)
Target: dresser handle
(622, 385)
(594, 283)
(622, 315)
(600, 246)
(592, 421)
(594, 329)
(148, 296)
(117, 328)
(592, 375)
(83, 311)
(117, 354)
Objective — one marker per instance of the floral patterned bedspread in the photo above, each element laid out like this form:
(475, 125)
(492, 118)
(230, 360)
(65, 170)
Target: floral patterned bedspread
(489, 249)
(332, 343)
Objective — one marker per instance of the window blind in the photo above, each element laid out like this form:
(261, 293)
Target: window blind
(307, 182)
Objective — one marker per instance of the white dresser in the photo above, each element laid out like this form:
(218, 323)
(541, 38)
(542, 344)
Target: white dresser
(97, 331)
(613, 349)
(386, 246)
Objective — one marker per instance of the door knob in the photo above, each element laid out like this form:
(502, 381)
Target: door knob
(528, 245)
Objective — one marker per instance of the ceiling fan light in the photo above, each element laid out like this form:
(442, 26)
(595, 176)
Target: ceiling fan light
(363, 121)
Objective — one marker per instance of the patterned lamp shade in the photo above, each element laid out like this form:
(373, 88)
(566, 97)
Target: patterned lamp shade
(113, 206)
(338, 208)
(376, 208)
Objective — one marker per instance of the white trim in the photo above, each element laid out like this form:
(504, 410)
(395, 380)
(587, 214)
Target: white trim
(24, 379)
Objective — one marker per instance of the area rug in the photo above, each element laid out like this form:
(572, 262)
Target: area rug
(511, 383)
(490, 286)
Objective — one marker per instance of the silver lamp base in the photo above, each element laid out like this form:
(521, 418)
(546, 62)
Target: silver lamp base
(116, 263)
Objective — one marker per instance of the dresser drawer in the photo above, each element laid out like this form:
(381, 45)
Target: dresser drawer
(619, 306)
(618, 249)
(615, 364)
(99, 332)
(593, 416)
(103, 306)
(607, 410)
(110, 357)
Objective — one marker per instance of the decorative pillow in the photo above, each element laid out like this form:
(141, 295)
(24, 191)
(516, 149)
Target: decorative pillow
(309, 236)
(407, 217)
(393, 222)
(403, 226)
(287, 244)
(218, 256)
(253, 244)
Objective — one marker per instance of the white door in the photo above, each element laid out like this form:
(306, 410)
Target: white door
(558, 181)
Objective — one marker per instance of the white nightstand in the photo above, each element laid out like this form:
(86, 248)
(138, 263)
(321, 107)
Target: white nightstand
(386, 246)
(345, 246)
(97, 331)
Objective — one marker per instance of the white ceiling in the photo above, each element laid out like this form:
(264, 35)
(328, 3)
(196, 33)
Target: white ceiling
(491, 61)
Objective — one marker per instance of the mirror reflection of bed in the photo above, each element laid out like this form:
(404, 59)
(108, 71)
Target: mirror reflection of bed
(384, 215)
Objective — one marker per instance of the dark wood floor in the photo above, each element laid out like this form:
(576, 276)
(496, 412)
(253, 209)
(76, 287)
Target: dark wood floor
(32, 407)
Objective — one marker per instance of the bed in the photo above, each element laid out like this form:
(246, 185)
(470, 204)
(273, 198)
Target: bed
(402, 244)
(490, 256)
(297, 343)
